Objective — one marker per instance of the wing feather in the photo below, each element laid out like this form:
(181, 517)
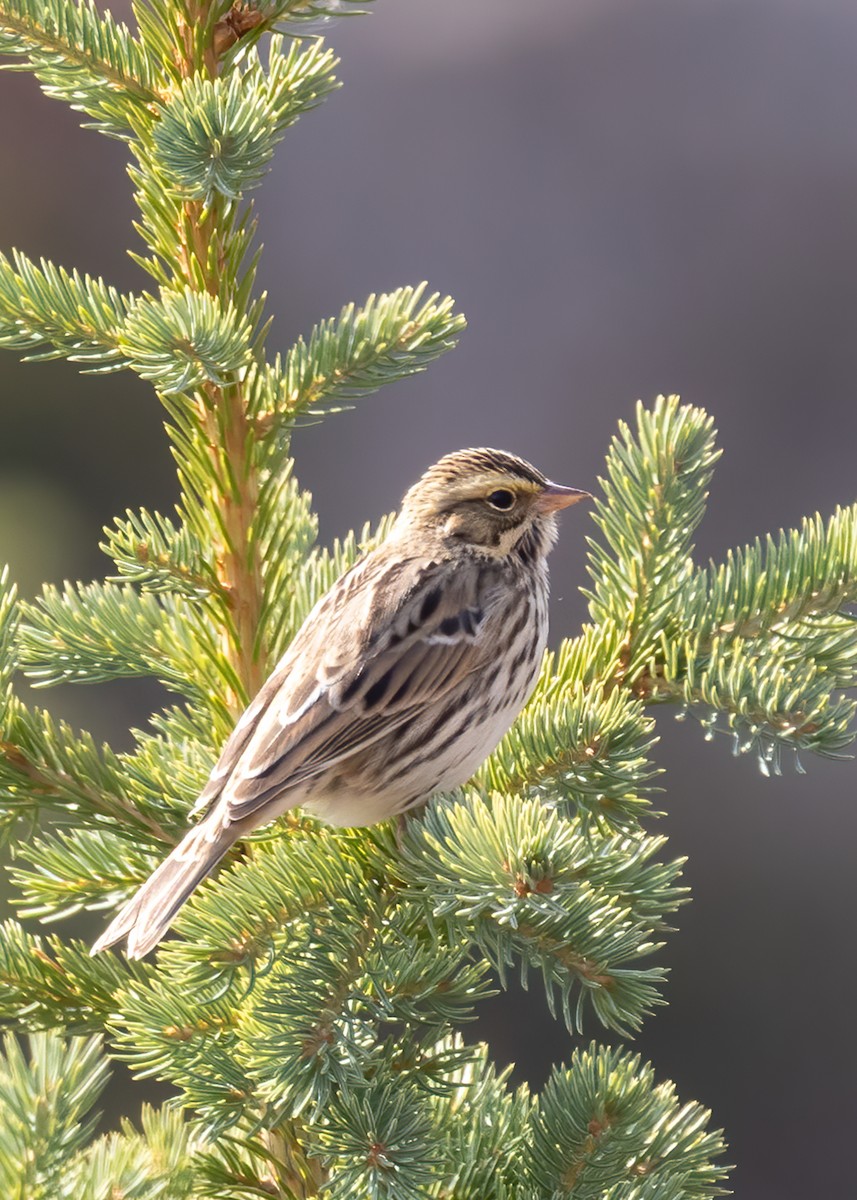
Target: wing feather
(332, 697)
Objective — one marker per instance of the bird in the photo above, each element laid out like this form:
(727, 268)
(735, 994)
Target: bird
(399, 683)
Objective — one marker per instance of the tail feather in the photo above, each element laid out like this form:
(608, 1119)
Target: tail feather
(148, 915)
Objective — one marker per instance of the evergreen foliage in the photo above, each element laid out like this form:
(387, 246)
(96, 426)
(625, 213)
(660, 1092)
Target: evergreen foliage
(308, 1010)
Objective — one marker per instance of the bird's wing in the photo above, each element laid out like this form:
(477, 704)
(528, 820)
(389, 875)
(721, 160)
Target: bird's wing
(363, 663)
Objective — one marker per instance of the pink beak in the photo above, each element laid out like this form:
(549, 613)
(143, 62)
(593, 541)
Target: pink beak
(554, 497)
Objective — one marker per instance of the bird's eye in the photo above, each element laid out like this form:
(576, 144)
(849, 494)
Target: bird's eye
(502, 499)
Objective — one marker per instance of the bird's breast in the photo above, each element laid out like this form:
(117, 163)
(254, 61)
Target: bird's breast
(443, 743)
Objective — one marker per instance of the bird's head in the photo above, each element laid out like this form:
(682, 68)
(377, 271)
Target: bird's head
(489, 501)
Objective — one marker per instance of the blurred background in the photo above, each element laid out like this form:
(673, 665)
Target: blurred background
(624, 198)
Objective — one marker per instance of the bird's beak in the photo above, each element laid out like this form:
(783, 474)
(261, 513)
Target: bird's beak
(554, 497)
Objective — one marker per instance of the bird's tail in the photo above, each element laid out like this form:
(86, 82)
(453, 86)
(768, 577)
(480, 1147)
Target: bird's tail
(148, 915)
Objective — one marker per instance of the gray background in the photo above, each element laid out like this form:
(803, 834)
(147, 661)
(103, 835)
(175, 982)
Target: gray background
(625, 197)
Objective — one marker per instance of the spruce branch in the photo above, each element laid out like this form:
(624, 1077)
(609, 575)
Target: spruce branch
(47, 767)
(217, 136)
(517, 879)
(654, 497)
(386, 339)
(190, 1039)
(581, 1130)
(310, 1032)
(578, 742)
(82, 56)
(773, 586)
(285, 529)
(71, 871)
(381, 1142)
(185, 340)
(764, 641)
(89, 633)
(9, 624)
(242, 923)
(61, 1083)
(196, 341)
(159, 782)
(485, 1148)
(160, 1162)
(246, 1167)
(770, 700)
(308, 1035)
(52, 983)
(154, 553)
(76, 316)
